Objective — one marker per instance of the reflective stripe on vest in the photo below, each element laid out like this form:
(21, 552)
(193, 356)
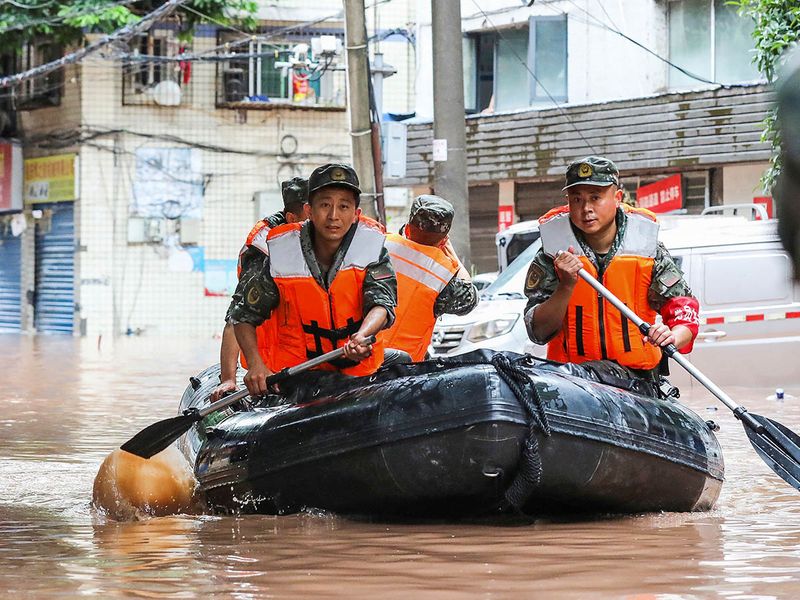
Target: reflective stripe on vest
(422, 273)
(258, 236)
(309, 320)
(593, 329)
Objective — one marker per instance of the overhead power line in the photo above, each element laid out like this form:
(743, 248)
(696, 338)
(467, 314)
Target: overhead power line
(121, 34)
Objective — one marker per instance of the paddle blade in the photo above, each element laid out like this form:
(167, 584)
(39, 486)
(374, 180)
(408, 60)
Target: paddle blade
(778, 446)
(156, 437)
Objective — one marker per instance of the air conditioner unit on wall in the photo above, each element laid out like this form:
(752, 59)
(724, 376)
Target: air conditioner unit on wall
(234, 85)
(143, 230)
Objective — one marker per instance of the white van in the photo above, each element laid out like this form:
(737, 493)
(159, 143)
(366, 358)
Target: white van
(738, 270)
(512, 241)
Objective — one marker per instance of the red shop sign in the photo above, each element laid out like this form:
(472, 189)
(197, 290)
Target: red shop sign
(662, 196)
(766, 202)
(505, 217)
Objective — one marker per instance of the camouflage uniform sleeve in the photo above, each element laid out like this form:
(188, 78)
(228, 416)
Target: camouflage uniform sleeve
(540, 283)
(459, 297)
(256, 294)
(667, 281)
(247, 255)
(380, 287)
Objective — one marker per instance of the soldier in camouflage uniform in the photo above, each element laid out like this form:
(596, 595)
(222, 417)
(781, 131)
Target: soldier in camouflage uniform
(324, 243)
(598, 224)
(295, 196)
(429, 222)
(432, 281)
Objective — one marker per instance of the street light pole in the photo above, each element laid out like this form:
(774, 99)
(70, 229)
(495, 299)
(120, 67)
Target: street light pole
(358, 101)
(449, 152)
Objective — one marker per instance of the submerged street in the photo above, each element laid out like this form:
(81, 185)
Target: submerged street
(67, 402)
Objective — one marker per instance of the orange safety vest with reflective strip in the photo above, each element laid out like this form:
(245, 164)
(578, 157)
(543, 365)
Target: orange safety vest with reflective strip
(594, 329)
(422, 273)
(257, 238)
(309, 320)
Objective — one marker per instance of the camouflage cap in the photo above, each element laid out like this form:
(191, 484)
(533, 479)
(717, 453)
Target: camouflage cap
(333, 174)
(431, 213)
(592, 170)
(294, 191)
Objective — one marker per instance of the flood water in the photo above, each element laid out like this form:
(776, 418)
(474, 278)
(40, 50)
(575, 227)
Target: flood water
(66, 403)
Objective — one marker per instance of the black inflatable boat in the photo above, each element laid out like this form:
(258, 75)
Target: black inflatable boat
(481, 434)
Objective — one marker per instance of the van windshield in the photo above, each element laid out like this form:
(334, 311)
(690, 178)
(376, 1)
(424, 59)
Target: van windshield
(511, 282)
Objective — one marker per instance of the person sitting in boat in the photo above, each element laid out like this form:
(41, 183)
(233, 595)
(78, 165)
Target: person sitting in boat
(619, 246)
(431, 280)
(323, 284)
(295, 198)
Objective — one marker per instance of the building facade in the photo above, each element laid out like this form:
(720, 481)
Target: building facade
(664, 88)
(146, 164)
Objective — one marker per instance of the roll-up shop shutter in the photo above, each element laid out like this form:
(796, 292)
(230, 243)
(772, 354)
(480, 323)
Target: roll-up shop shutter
(54, 310)
(10, 280)
(483, 226)
(534, 199)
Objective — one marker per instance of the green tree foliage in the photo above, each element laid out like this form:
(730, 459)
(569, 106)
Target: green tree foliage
(68, 22)
(777, 30)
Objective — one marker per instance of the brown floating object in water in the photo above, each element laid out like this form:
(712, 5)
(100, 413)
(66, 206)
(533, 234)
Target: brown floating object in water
(130, 487)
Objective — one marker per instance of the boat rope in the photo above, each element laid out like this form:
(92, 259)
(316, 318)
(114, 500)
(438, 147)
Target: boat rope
(529, 473)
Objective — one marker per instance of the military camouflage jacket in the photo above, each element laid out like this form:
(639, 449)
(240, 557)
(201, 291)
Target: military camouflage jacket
(542, 280)
(257, 295)
(458, 297)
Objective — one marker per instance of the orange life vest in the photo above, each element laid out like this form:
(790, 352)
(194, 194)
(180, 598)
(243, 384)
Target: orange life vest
(422, 273)
(257, 238)
(593, 329)
(310, 321)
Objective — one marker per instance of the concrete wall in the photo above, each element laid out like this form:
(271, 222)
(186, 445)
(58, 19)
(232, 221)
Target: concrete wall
(143, 289)
(742, 183)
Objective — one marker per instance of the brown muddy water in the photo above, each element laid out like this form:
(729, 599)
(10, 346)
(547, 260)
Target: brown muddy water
(65, 404)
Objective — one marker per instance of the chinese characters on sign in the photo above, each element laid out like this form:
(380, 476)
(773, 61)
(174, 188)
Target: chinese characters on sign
(505, 217)
(662, 196)
(50, 179)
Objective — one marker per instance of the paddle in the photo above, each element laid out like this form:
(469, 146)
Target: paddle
(777, 445)
(156, 437)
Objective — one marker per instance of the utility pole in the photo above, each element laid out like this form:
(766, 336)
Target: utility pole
(358, 101)
(449, 136)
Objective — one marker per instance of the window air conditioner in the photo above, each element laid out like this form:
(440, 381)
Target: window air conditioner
(234, 84)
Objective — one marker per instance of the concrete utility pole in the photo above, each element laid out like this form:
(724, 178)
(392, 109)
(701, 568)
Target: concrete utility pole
(449, 136)
(358, 101)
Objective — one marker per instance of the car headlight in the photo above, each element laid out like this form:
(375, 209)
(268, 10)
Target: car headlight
(486, 330)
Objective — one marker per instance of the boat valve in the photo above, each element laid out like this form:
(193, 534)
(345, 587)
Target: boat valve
(195, 382)
(712, 426)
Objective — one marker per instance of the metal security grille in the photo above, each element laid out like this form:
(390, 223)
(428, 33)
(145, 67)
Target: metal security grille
(54, 309)
(10, 288)
(483, 226)
(534, 199)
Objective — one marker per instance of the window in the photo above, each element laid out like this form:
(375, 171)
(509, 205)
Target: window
(43, 91)
(709, 39)
(263, 75)
(495, 64)
(149, 79)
